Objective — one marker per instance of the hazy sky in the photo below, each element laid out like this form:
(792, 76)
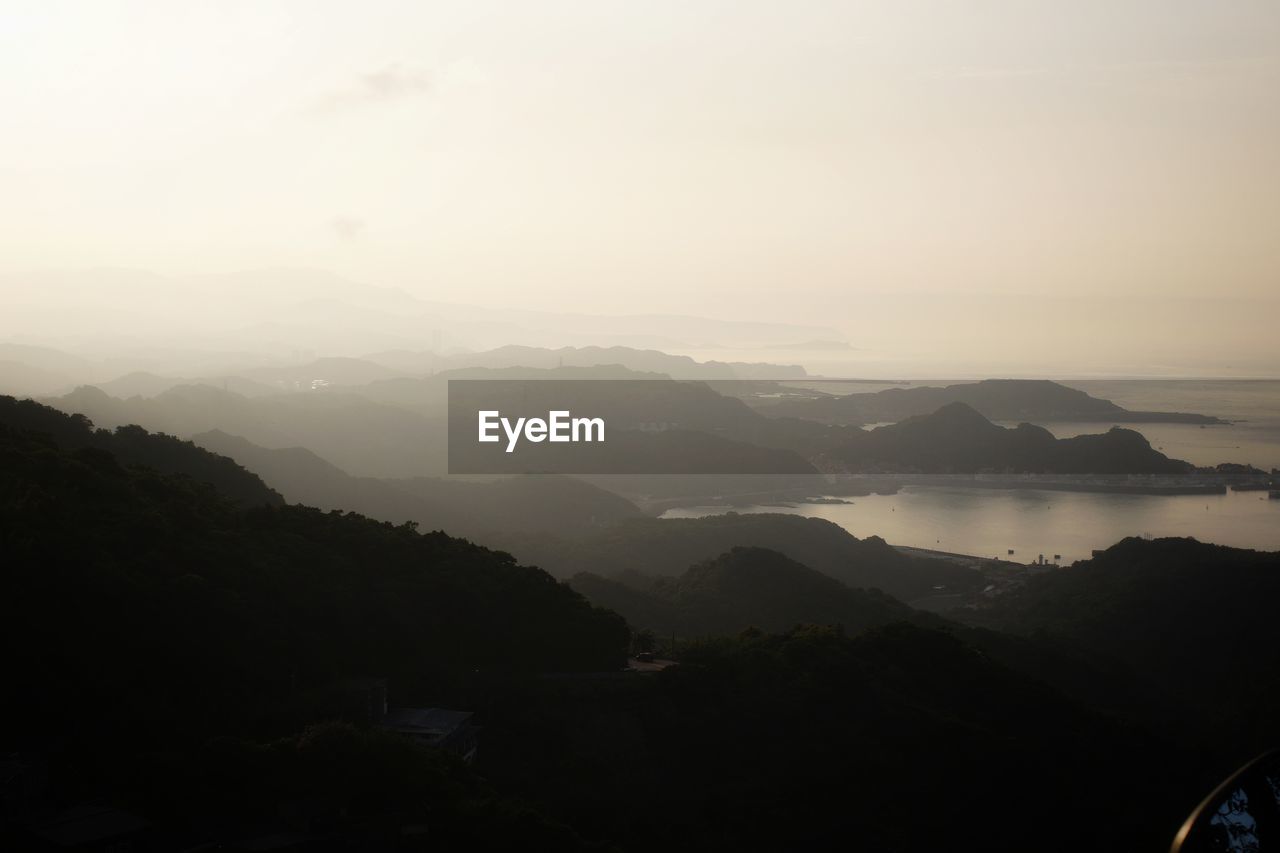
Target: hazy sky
(797, 157)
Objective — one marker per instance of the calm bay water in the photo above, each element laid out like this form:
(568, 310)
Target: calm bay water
(988, 522)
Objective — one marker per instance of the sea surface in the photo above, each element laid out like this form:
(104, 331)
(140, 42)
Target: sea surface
(989, 522)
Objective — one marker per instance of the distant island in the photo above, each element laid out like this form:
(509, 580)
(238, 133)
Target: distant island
(815, 345)
(1036, 400)
(957, 439)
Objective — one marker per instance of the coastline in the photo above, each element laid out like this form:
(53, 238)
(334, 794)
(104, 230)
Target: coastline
(855, 486)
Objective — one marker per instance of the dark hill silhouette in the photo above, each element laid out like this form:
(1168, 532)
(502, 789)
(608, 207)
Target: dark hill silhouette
(156, 631)
(956, 439)
(899, 738)
(133, 445)
(1195, 623)
(1036, 400)
(153, 600)
(637, 602)
(742, 588)
(652, 546)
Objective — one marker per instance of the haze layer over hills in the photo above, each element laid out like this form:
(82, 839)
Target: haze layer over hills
(996, 399)
(396, 428)
(248, 320)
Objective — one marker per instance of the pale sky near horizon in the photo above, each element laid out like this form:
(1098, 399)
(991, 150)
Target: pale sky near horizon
(774, 160)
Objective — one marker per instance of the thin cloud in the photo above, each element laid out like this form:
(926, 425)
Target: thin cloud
(392, 83)
(994, 73)
(347, 227)
(1246, 64)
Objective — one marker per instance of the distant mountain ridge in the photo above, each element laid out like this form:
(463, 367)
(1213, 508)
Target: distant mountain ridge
(956, 439)
(1033, 400)
(281, 311)
(643, 360)
(37, 371)
(396, 428)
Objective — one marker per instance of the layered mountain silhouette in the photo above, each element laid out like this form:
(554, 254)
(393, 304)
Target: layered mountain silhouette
(557, 504)
(956, 439)
(202, 635)
(1038, 400)
(38, 371)
(155, 600)
(397, 427)
(356, 434)
(651, 546)
(742, 588)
